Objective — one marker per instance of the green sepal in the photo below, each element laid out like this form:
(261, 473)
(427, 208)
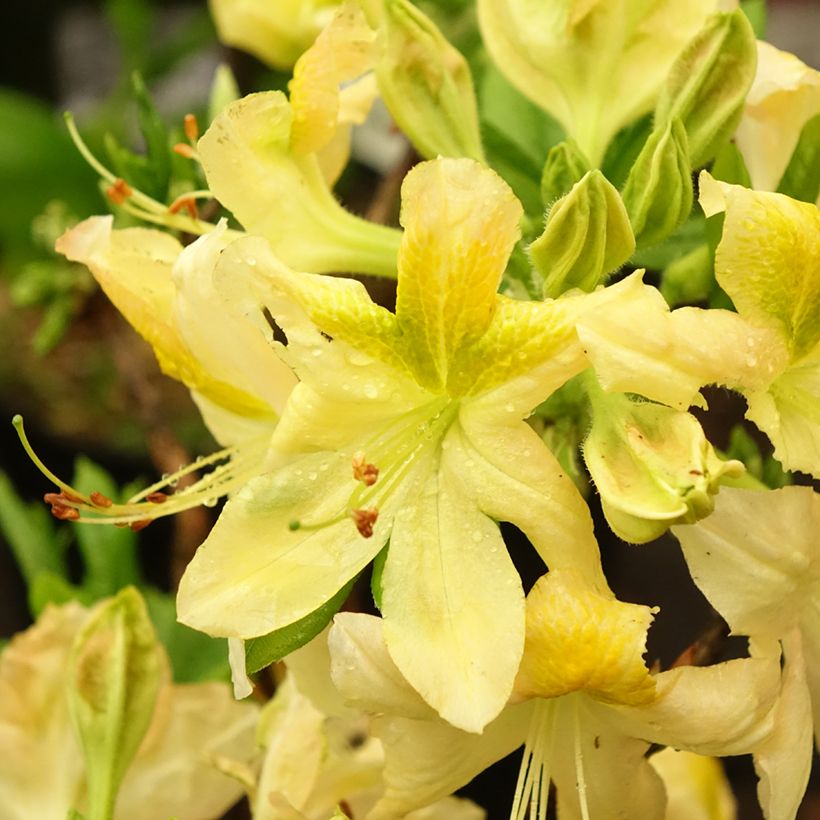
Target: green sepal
(565, 166)
(114, 673)
(707, 86)
(267, 649)
(658, 192)
(801, 179)
(587, 235)
(521, 279)
(376, 575)
(427, 85)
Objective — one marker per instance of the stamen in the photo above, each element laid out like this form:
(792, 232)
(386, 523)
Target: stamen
(363, 471)
(579, 766)
(191, 127)
(153, 502)
(533, 786)
(119, 191)
(184, 150)
(186, 202)
(364, 521)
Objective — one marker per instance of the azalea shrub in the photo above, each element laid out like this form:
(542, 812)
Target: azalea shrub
(602, 209)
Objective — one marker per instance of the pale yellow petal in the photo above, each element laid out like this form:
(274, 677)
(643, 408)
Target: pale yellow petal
(696, 786)
(461, 657)
(343, 50)
(255, 573)
(461, 221)
(768, 259)
(784, 96)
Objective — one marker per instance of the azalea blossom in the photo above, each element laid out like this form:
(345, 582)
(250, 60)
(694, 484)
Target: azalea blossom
(433, 397)
(172, 773)
(757, 560)
(584, 705)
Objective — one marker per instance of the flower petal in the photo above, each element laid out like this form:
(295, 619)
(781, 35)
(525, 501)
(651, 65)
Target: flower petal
(768, 259)
(696, 786)
(755, 557)
(461, 657)
(255, 574)
(460, 221)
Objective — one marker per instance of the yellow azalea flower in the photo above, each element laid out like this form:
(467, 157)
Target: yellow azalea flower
(595, 65)
(696, 786)
(584, 705)
(320, 754)
(407, 426)
(757, 560)
(42, 774)
(768, 261)
(278, 34)
(784, 97)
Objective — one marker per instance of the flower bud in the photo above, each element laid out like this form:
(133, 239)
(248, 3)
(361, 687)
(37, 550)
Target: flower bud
(114, 674)
(658, 191)
(427, 86)
(708, 83)
(652, 466)
(586, 236)
(564, 167)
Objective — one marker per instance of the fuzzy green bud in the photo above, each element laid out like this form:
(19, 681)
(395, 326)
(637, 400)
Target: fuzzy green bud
(565, 166)
(587, 235)
(114, 674)
(658, 192)
(426, 85)
(708, 84)
(651, 465)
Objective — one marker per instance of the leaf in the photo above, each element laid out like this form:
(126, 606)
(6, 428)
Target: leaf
(265, 650)
(31, 534)
(729, 166)
(757, 13)
(109, 553)
(624, 149)
(684, 240)
(801, 179)
(376, 576)
(156, 138)
(48, 588)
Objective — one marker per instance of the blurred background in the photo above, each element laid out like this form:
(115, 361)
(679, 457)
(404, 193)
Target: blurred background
(87, 384)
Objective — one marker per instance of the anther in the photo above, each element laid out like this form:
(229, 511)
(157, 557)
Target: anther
(65, 513)
(363, 471)
(100, 500)
(184, 150)
(191, 127)
(186, 202)
(364, 521)
(119, 191)
(61, 498)
(157, 497)
(136, 526)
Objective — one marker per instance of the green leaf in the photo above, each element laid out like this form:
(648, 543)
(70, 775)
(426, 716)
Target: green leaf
(689, 279)
(758, 16)
(31, 534)
(729, 166)
(682, 241)
(195, 656)
(109, 553)
(155, 135)
(48, 588)
(265, 650)
(376, 576)
(801, 179)
(624, 150)
(54, 322)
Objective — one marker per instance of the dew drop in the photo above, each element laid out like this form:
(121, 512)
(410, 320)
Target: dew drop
(370, 391)
(509, 407)
(317, 351)
(478, 536)
(751, 361)
(313, 476)
(210, 502)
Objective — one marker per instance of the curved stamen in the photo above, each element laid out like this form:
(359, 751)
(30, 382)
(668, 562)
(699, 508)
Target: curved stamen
(159, 499)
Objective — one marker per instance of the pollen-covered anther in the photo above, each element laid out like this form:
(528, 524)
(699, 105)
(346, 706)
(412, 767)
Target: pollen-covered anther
(65, 513)
(62, 498)
(136, 526)
(364, 471)
(100, 500)
(364, 520)
(119, 191)
(191, 127)
(157, 497)
(184, 202)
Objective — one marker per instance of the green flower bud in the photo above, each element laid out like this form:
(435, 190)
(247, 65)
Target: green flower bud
(587, 235)
(708, 83)
(427, 86)
(114, 674)
(651, 464)
(658, 191)
(564, 167)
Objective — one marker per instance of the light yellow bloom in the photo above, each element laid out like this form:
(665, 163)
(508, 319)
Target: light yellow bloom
(432, 396)
(696, 786)
(584, 704)
(41, 765)
(756, 558)
(276, 34)
(784, 97)
(595, 65)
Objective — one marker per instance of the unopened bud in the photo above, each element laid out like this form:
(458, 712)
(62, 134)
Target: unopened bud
(565, 166)
(658, 192)
(587, 235)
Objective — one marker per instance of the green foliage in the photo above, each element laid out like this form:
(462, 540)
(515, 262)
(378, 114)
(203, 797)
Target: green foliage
(265, 650)
(376, 576)
(764, 468)
(801, 179)
(757, 13)
(729, 166)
